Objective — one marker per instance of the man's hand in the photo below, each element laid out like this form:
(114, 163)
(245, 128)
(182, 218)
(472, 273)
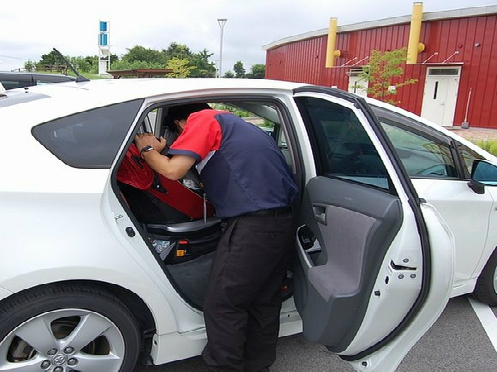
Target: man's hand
(145, 139)
(173, 168)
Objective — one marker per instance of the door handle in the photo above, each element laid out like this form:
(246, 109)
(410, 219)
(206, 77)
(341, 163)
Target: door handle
(320, 214)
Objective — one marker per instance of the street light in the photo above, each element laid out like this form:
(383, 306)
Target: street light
(222, 22)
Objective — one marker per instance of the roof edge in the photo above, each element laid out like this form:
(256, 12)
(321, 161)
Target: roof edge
(391, 21)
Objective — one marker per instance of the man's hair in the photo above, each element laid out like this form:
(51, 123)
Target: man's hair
(181, 113)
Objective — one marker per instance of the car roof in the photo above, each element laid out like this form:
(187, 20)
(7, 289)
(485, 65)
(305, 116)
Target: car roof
(55, 100)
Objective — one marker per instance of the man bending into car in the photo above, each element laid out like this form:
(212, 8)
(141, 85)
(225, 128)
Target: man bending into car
(246, 177)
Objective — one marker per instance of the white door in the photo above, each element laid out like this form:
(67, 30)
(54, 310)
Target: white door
(367, 282)
(431, 161)
(440, 95)
(356, 84)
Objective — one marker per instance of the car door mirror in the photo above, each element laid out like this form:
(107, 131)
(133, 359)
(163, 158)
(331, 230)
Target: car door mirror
(483, 173)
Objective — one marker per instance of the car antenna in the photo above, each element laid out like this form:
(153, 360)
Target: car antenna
(79, 77)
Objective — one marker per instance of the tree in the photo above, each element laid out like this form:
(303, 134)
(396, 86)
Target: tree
(182, 60)
(51, 58)
(142, 54)
(202, 67)
(180, 67)
(29, 66)
(87, 64)
(125, 65)
(384, 73)
(229, 75)
(175, 50)
(257, 71)
(239, 70)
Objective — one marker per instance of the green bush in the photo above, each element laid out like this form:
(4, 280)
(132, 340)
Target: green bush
(493, 148)
(487, 145)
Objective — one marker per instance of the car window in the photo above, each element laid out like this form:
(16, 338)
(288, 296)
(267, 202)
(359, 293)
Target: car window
(12, 82)
(49, 79)
(89, 139)
(423, 155)
(263, 114)
(468, 156)
(342, 148)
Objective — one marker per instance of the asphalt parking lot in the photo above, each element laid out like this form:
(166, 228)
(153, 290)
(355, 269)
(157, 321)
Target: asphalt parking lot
(463, 339)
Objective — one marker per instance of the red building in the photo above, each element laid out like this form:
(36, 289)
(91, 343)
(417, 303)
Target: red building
(456, 71)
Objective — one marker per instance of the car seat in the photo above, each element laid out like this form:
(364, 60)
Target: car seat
(179, 221)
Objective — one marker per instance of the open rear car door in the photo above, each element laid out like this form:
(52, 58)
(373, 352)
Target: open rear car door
(375, 263)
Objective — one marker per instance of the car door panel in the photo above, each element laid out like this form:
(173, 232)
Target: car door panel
(360, 225)
(389, 356)
(450, 197)
(430, 159)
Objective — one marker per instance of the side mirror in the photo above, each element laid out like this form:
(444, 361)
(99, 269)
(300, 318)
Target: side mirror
(483, 173)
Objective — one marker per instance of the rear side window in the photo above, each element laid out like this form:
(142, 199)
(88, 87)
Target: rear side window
(342, 147)
(89, 139)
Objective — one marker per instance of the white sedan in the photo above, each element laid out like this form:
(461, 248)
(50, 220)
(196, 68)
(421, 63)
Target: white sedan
(395, 216)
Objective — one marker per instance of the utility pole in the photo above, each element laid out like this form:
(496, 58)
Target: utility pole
(222, 22)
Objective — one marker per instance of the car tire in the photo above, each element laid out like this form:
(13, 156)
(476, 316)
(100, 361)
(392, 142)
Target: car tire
(67, 328)
(486, 285)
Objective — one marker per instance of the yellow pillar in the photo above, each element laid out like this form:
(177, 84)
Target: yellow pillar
(331, 52)
(415, 46)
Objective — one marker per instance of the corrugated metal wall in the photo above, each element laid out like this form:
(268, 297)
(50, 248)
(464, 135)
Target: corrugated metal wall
(467, 42)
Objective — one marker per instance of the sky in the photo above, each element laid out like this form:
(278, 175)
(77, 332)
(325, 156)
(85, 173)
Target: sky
(31, 28)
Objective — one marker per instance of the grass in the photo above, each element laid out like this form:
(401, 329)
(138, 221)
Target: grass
(487, 145)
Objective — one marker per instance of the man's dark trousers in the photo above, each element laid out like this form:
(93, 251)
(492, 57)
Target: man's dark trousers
(243, 299)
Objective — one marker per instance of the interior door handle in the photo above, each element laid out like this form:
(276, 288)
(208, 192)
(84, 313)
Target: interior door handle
(320, 214)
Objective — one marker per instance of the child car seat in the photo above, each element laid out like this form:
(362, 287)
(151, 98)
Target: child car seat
(156, 199)
(177, 219)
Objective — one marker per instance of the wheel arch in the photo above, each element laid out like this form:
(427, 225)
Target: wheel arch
(129, 299)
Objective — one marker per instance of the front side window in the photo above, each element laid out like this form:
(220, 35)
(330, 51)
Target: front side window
(342, 147)
(422, 155)
(468, 156)
(89, 139)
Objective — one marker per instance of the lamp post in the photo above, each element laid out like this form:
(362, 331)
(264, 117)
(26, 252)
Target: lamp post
(222, 22)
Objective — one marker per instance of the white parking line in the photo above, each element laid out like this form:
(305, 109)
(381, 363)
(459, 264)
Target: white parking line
(487, 320)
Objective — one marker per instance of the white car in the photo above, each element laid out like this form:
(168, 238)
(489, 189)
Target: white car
(391, 224)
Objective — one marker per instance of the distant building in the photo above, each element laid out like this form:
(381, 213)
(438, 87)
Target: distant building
(456, 71)
(103, 47)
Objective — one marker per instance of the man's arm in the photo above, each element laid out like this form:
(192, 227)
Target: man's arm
(173, 168)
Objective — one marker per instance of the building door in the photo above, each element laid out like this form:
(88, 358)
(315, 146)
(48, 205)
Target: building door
(356, 84)
(440, 95)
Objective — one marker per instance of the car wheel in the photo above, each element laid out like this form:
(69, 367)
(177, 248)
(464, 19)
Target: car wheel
(67, 328)
(486, 286)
